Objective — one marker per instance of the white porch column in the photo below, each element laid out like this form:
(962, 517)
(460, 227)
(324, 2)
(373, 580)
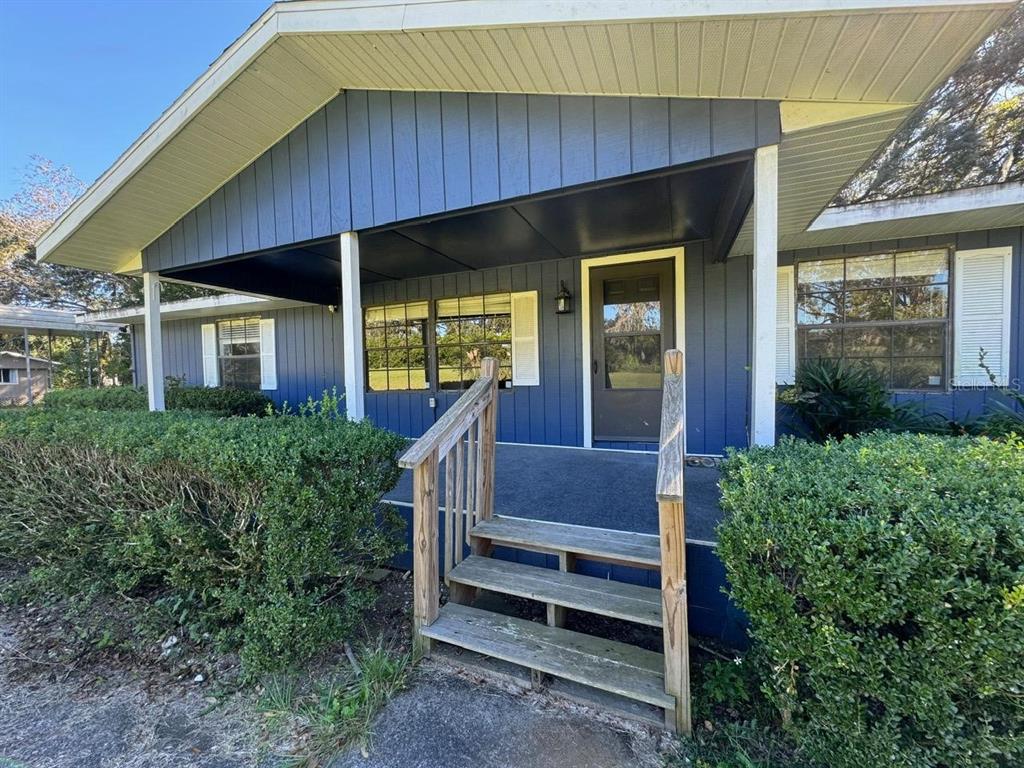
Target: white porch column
(28, 367)
(154, 342)
(766, 238)
(352, 327)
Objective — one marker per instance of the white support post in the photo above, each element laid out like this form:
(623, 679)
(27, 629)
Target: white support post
(28, 367)
(154, 342)
(766, 238)
(352, 327)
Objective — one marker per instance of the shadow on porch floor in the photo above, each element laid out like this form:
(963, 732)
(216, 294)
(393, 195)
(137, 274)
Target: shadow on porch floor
(599, 488)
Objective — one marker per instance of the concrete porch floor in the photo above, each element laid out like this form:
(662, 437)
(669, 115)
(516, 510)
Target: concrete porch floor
(599, 488)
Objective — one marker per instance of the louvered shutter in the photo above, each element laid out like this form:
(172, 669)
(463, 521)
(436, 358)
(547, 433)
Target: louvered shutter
(981, 315)
(211, 371)
(525, 340)
(268, 355)
(785, 328)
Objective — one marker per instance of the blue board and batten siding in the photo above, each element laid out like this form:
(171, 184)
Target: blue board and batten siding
(373, 158)
(308, 348)
(717, 318)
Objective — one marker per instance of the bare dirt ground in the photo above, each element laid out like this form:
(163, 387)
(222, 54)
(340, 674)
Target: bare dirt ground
(70, 701)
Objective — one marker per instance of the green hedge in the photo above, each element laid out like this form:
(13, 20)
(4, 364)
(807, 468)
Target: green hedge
(884, 581)
(223, 401)
(261, 530)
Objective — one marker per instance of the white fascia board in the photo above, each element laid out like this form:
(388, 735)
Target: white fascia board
(302, 16)
(205, 306)
(957, 201)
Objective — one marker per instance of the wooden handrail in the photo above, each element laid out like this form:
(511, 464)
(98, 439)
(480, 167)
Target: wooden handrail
(464, 439)
(672, 530)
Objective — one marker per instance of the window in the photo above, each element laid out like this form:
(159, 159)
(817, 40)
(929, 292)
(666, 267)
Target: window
(396, 347)
(632, 333)
(889, 310)
(8, 376)
(468, 329)
(238, 352)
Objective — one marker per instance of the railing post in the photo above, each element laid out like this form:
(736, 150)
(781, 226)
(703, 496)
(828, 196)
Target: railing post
(672, 529)
(488, 438)
(425, 579)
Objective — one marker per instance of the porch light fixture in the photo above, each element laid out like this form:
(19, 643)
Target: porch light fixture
(563, 301)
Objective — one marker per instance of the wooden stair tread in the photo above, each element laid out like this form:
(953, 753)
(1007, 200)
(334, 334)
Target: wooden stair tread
(570, 590)
(607, 665)
(639, 549)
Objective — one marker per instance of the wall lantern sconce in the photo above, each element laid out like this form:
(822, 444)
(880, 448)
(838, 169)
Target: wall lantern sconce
(563, 301)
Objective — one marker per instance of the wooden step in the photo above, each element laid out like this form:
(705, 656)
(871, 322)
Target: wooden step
(607, 665)
(640, 550)
(569, 590)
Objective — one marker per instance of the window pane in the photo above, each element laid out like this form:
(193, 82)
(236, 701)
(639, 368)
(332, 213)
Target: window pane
(374, 316)
(240, 372)
(377, 379)
(395, 339)
(417, 311)
(820, 342)
(921, 302)
(922, 340)
(922, 267)
(498, 304)
(398, 379)
(819, 308)
(499, 328)
(917, 373)
(449, 378)
(817, 276)
(869, 271)
(871, 304)
(867, 342)
(881, 366)
(633, 362)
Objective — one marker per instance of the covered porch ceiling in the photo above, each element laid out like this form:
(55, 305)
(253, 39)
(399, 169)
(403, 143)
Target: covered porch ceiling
(833, 59)
(706, 201)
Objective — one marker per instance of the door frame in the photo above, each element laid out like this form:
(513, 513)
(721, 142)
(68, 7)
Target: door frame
(676, 254)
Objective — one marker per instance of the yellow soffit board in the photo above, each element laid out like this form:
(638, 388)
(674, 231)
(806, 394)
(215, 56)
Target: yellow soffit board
(799, 115)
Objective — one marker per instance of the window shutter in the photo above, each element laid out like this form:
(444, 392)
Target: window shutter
(981, 316)
(268, 355)
(785, 328)
(525, 340)
(211, 371)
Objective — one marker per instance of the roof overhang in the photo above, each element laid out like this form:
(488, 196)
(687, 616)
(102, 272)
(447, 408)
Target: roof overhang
(17, 320)
(879, 55)
(207, 306)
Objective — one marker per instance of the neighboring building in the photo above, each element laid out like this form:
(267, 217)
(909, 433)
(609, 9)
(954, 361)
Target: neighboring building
(26, 378)
(19, 375)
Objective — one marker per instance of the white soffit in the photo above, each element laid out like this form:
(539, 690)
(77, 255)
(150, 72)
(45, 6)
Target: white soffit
(298, 55)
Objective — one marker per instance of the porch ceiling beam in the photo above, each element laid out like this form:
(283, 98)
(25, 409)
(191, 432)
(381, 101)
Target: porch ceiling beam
(732, 212)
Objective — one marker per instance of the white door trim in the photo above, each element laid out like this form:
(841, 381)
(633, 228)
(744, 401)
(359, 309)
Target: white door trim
(679, 342)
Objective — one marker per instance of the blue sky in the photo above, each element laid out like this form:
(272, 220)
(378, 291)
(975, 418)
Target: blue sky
(81, 79)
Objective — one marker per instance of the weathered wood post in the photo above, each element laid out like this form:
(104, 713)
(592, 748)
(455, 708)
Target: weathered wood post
(425, 578)
(488, 437)
(672, 528)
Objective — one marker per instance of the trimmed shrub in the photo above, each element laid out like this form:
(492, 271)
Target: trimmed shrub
(261, 531)
(884, 581)
(223, 401)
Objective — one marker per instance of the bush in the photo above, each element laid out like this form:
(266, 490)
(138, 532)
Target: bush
(884, 581)
(223, 401)
(260, 530)
(836, 398)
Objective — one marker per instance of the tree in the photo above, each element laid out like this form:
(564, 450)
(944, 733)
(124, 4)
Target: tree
(969, 133)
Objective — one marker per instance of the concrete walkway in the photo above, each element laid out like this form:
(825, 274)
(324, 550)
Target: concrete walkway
(444, 721)
(600, 488)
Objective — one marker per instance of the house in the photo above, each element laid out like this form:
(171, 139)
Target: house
(23, 378)
(573, 190)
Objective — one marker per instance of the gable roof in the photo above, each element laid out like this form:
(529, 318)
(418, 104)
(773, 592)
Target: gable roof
(877, 55)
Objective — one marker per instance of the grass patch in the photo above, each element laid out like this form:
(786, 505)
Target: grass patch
(330, 714)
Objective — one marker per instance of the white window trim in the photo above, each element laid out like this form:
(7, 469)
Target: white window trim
(13, 376)
(211, 361)
(268, 354)
(980, 378)
(787, 278)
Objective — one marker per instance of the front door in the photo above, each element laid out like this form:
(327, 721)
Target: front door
(632, 306)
